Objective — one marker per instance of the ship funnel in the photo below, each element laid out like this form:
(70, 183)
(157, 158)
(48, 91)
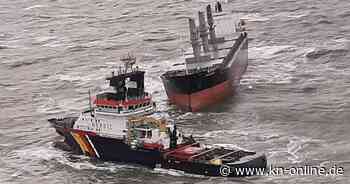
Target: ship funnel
(194, 38)
(203, 30)
(211, 25)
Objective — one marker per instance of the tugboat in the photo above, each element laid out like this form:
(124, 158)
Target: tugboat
(109, 110)
(211, 76)
(157, 143)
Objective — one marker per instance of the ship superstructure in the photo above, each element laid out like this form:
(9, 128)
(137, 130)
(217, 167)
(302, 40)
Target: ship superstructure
(109, 110)
(127, 95)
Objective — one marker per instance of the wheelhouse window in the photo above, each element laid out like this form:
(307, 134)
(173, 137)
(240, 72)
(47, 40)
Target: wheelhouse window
(144, 132)
(149, 134)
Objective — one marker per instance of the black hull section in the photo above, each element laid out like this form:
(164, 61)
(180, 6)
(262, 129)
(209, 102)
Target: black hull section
(116, 150)
(188, 84)
(248, 167)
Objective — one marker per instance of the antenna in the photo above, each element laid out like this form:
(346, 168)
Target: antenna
(90, 105)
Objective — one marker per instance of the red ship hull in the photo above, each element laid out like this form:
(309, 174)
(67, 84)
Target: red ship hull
(202, 99)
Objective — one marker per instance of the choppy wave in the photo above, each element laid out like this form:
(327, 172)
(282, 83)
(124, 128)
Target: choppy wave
(35, 7)
(267, 72)
(218, 133)
(255, 17)
(320, 52)
(52, 52)
(51, 154)
(176, 173)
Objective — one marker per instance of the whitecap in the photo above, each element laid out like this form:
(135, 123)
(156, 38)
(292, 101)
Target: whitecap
(296, 16)
(35, 6)
(231, 146)
(296, 145)
(218, 133)
(269, 68)
(49, 153)
(255, 17)
(174, 172)
(268, 52)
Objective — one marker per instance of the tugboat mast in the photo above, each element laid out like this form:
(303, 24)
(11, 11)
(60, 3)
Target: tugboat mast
(128, 61)
(90, 104)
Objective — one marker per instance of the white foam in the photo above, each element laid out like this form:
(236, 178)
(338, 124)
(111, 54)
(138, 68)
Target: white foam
(255, 17)
(293, 15)
(49, 153)
(296, 16)
(267, 52)
(266, 70)
(78, 77)
(174, 172)
(45, 38)
(231, 146)
(218, 133)
(296, 145)
(35, 6)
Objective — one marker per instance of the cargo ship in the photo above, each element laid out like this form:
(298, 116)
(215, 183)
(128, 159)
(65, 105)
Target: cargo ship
(213, 69)
(156, 143)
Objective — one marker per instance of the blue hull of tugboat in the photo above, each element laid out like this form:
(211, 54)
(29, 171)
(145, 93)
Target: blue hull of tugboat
(110, 149)
(104, 148)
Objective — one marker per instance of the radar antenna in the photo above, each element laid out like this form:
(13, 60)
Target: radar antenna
(128, 61)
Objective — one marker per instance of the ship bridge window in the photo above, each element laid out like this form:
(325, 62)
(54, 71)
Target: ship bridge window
(149, 134)
(144, 133)
(131, 107)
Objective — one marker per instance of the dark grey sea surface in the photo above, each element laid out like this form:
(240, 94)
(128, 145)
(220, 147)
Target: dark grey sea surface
(293, 102)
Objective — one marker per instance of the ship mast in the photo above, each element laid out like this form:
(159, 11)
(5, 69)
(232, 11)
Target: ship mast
(194, 39)
(90, 104)
(203, 30)
(128, 61)
(211, 25)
